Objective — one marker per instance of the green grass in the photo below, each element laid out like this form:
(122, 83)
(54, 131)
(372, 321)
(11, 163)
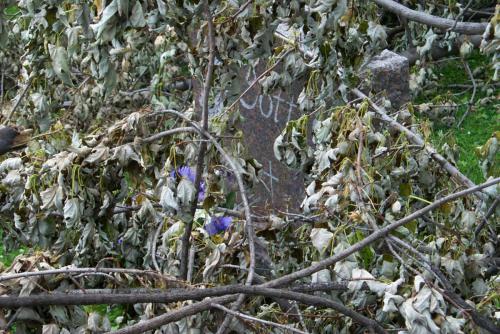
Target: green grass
(481, 122)
(111, 311)
(7, 257)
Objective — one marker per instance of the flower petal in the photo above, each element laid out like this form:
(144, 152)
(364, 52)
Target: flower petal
(226, 222)
(211, 229)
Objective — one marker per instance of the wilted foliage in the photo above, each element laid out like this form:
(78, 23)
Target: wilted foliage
(110, 182)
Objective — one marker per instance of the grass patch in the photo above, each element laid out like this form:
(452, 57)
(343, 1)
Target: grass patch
(481, 122)
(7, 257)
(112, 312)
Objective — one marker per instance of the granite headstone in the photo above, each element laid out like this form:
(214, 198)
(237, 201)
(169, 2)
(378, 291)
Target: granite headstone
(265, 116)
(388, 73)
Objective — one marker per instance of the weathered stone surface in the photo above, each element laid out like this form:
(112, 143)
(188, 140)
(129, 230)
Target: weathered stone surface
(388, 73)
(264, 118)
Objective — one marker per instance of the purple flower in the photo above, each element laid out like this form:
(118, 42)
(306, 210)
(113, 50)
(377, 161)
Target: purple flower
(218, 224)
(188, 173)
(120, 241)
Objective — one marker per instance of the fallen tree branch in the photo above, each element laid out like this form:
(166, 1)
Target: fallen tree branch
(384, 231)
(415, 139)
(256, 291)
(71, 271)
(254, 319)
(176, 295)
(431, 20)
(282, 281)
(438, 52)
(304, 288)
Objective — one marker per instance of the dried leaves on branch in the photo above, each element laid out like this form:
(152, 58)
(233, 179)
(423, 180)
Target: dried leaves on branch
(133, 196)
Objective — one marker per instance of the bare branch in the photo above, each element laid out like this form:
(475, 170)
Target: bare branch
(175, 295)
(250, 290)
(174, 316)
(185, 240)
(431, 20)
(238, 12)
(166, 133)
(153, 245)
(474, 88)
(69, 271)
(490, 211)
(462, 12)
(254, 319)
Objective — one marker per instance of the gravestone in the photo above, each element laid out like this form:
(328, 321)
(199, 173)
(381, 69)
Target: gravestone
(388, 73)
(265, 116)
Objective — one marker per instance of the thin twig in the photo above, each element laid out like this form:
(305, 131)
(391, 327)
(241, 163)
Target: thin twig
(254, 319)
(238, 12)
(2, 85)
(166, 133)
(153, 245)
(462, 12)
(185, 239)
(474, 89)
(478, 84)
(12, 319)
(11, 112)
(484, 221)
(301, 317)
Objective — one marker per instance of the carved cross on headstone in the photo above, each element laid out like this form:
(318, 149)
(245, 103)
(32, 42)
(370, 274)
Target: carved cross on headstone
(272, 179)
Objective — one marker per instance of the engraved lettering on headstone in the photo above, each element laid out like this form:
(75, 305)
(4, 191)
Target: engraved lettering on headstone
(271, 108)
